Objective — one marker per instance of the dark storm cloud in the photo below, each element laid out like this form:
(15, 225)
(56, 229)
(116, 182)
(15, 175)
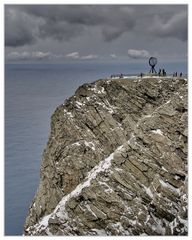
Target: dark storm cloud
(16, 33)
(176, 26)
(65, 22)
(26, 23)
(60, 30)
(20, 28)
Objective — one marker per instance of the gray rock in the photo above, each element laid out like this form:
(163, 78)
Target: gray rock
(115, 162)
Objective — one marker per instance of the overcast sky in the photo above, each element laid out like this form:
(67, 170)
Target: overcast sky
(95, 32)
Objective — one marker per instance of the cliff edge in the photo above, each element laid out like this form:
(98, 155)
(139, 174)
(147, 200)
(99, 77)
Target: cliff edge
(116, 161)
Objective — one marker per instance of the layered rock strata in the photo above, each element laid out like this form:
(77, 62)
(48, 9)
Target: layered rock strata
(116, 161)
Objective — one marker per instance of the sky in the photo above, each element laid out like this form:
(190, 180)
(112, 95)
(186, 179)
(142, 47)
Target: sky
(58, 33)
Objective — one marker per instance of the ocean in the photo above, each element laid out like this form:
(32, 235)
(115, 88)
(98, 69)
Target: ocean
(32, 93)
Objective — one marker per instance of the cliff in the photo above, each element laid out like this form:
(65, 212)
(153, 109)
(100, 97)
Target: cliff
(116, 161)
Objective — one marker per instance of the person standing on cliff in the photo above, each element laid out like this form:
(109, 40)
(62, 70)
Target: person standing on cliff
(164, 72)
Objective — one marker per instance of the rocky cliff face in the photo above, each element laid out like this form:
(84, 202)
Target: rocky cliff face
(115, 162)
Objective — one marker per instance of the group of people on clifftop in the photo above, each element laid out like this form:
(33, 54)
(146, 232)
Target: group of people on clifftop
(175, 74)
(162, 72)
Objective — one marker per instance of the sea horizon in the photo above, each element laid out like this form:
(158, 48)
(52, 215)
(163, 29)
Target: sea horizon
(32, 93)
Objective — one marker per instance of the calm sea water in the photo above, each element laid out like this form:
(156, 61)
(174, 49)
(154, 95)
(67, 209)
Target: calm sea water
(32, 92)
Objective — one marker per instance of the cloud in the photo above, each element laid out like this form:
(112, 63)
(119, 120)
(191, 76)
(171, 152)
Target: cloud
(113, 55)
(25, 24)
(76, 55)
(111, 33)
(73, 55)
(41, 55)
(38, 55)
(133, 53)
(60, 30)
(175, 27)
(66, 22)
(90, 56)
(20, 28)
(19, 56)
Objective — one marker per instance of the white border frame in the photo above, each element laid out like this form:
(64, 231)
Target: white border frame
(2, 62)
